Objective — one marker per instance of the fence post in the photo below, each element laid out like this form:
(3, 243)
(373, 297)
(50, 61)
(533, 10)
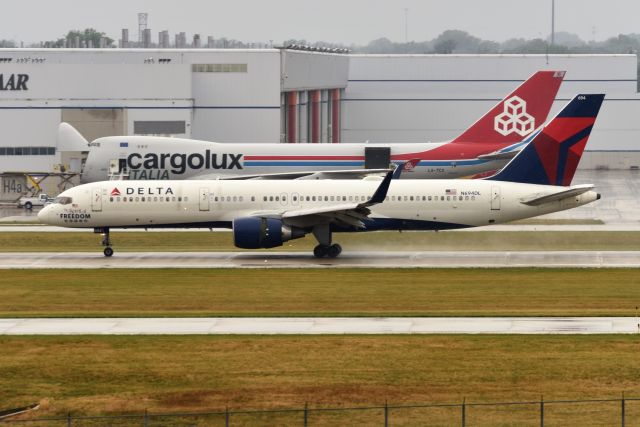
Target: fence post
(69, 421)
(306, 415)
(386, 414)
(226, 417)
(464, 413)
(622, 408)
(146, 418)
(541, 411)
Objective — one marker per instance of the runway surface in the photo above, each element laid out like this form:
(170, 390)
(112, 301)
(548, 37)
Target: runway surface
(315, 326)
(434, 259)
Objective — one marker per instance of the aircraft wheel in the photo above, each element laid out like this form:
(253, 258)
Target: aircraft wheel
(320, 251)
(108, 251)
(334, 250)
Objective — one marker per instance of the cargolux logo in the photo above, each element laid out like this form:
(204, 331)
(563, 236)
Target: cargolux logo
(514, 118)
(115, 192)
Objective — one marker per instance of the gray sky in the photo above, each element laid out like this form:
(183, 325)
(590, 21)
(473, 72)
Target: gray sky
(344, 21)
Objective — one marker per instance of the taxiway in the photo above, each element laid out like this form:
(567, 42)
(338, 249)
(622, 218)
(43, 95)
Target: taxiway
(372, 259)
(321, 325)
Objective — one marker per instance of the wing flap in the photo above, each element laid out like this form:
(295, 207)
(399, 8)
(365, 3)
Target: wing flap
(336, 174)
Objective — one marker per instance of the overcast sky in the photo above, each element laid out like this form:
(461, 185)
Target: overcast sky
(343, 21)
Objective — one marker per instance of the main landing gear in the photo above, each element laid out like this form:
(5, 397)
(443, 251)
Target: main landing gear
(322, 233)
(106, 241)
(331, 251)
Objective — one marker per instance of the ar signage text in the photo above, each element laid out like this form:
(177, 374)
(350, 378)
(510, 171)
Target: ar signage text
(14, 81)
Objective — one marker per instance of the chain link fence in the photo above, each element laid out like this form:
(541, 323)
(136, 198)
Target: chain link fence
(595, 412)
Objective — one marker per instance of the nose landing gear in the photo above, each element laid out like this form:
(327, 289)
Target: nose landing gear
(106, 241)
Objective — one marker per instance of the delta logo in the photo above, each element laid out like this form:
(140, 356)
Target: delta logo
(115, 192)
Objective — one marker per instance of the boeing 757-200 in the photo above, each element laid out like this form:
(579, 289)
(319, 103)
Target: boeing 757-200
(267, 213)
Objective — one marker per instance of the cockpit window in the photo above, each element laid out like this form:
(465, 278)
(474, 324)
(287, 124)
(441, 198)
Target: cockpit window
(62, 200)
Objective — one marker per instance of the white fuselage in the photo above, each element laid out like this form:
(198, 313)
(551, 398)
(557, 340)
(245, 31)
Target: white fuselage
(160, 158)
(409, 205)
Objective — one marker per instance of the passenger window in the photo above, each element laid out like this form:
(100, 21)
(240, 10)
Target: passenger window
(118, 199)
(131, 199)
(235, 198)
(143, 199)
(179, 198)
(448, 198)
(173, 199)
(350, 198)
(295, 199)
(473, 197)
(313, 198)
(284, 198)
(332, 198)
(411, 198)
(111, 199)
(240, 198)
(253, 198)
(344, 198)
(277, 198)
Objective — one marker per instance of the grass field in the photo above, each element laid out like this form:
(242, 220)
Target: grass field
(389, 241)
(319, 292)
(195, 373)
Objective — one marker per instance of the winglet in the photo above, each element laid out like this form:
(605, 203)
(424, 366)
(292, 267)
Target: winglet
(383, 188)
(552, 157)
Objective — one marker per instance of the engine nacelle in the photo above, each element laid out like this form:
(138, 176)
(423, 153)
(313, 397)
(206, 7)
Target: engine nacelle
(259, 232)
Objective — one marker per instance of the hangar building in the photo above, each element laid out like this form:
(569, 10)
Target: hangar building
(285, 95)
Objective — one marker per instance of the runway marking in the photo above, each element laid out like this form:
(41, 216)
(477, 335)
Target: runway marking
(359, 259)
(321, 326)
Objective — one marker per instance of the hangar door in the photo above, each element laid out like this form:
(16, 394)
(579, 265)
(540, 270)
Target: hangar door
(377, 157)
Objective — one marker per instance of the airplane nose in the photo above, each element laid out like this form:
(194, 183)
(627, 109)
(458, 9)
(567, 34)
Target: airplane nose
(44, 214)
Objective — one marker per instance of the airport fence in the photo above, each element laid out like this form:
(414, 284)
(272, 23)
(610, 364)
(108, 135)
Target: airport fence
(624, 411)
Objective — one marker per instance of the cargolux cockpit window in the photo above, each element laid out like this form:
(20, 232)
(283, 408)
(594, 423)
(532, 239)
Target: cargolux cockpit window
(62, 200)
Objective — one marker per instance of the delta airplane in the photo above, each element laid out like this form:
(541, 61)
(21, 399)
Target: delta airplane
(267, 213)
(484, 147)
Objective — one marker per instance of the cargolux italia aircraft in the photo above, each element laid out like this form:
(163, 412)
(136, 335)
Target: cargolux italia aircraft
(484, 147)
(265, 214)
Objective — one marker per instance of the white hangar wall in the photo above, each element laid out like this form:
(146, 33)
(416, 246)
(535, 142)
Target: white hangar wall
(435, 97)
(212, 94)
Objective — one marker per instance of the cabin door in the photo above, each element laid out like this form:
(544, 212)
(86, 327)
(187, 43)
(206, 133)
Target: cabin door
(96, 199)
(495, 198)
(204, 199)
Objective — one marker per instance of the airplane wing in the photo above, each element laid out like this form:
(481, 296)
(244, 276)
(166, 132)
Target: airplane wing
(345, 214)
(539, 198)
(497, 155)
(336, 174)
(510, 151)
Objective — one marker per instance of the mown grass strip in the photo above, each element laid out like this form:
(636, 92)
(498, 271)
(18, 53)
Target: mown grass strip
(319, 292)
(98, 375)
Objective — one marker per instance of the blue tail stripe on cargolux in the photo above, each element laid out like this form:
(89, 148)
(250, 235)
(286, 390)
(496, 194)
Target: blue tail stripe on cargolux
(528, 167)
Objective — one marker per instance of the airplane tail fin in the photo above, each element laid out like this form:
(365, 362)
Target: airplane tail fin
(518, 114)
(69, 139)
(552, 157)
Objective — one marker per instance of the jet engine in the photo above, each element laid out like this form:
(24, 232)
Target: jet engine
(259, 232)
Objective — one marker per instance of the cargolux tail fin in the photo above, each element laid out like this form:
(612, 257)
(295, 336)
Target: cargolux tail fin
(552, 157)
(518, 114)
